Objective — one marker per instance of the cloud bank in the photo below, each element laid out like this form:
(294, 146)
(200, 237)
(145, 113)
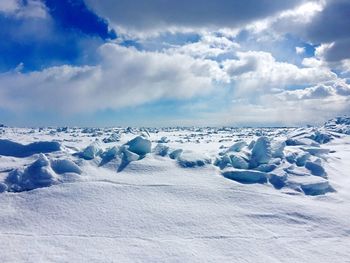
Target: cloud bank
(226, 62)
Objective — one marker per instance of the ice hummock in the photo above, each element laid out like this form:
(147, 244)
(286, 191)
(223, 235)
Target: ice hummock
(253, 154)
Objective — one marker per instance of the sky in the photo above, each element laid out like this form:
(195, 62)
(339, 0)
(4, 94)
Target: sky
(173, 63)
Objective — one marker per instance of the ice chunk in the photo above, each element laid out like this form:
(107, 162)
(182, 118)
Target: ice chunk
(291, 157)
(278, 178)
(245, 176)
(111, 153)
(3, 187)
(339, 125)
(277, 148)
(238, 146)
(223, 162)
(251, 145)
(140, 145)
(261, 152)
(38, 174)
(316, 151)
(302, 158)
(302, 141)
(65, 166)
(317, 188)
(266, 167)
(315, 168)
(130, 156)
(190, 159)
(298, 171)
(164, 140)
(114, 137)
(310, 185)
(322, 137)
(175, 154)
(91, 151)
(10, 148)
(161, 149)
(238, 161)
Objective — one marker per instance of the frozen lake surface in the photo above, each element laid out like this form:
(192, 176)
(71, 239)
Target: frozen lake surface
(175, 194)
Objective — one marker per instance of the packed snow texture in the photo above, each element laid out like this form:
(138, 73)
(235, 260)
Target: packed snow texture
(175, 194)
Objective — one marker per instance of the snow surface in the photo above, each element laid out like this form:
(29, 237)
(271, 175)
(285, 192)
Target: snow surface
(175, 194)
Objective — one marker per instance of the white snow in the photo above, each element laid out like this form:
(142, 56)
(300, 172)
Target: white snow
(199, 195)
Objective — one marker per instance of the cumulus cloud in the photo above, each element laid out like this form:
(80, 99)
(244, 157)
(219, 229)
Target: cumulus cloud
(125, 77)
(160, 15)
(257, 71)
(318, 22)
(23, 9)
(128, 77)
(292, 21)
(209, 46)
(316, 92)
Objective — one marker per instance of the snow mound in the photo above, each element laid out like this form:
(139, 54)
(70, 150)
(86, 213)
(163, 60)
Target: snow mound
(41, 173)
(14, 149)
(38, 174)
(140, 145)
(245, 176)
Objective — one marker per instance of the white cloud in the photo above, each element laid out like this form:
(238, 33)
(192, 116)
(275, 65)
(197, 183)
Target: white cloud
(9, 6)
(128, 77)
(158, 15)
(316, 92)
(20, 9)
(125, 77)
(209, 46)
(291, 20)
(259, 72)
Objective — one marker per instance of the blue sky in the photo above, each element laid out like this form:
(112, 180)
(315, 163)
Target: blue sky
(160, 63)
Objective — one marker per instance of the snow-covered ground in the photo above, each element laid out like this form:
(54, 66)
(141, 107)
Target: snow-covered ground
(175, 194)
